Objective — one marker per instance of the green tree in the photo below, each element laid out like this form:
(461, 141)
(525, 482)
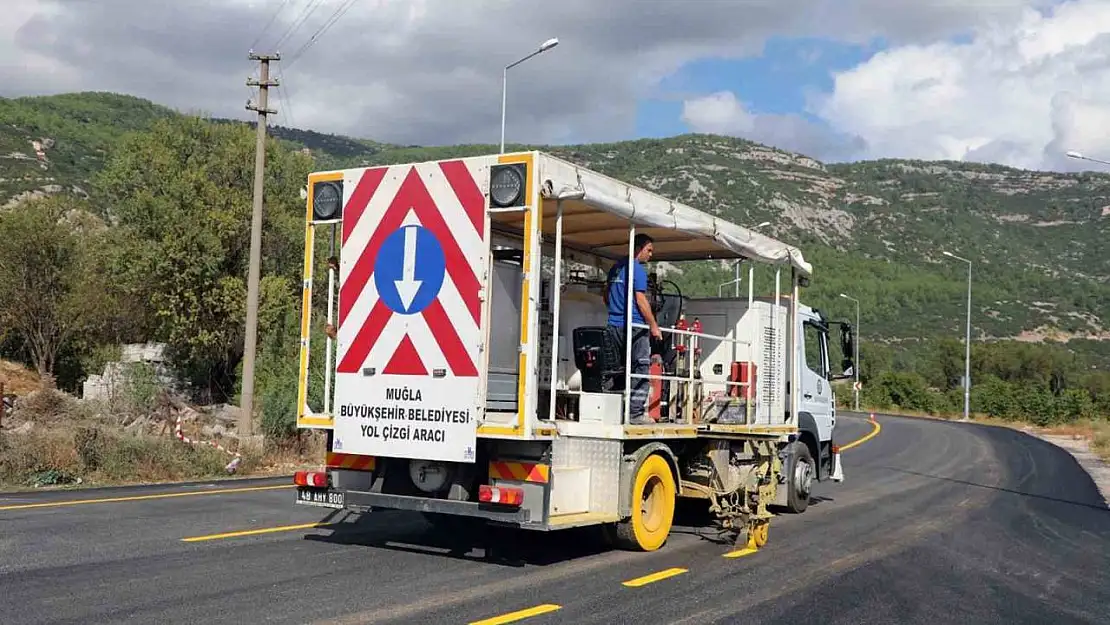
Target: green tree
(182, 195)
(51, 287)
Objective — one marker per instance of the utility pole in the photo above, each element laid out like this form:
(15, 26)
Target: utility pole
(250, 341)
(967, 341)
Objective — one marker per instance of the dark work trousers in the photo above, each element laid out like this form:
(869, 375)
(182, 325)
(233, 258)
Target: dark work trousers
(641, 362)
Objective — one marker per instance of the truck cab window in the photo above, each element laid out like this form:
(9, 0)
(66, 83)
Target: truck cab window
(816, 349)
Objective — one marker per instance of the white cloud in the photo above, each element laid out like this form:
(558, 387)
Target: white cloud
(723, 113)
(719, 113)
(1023, 90)
(428, 71)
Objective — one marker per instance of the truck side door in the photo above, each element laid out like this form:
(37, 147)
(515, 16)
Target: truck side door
(816, 397)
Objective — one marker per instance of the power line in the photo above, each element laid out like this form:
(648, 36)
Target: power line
(306, 13)
(283, 96)
(324, 28)
(270, 23)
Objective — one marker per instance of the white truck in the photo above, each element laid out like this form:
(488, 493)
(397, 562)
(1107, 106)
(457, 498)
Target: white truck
(471, 368)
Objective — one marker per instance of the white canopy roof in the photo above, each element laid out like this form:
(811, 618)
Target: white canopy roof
(597, 209)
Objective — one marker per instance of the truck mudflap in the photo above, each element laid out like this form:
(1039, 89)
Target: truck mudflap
(364, 501)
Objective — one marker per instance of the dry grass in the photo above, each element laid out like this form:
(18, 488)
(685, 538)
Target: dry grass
(95, 455)
(1100, 440)
(17, 379)
(53, 439)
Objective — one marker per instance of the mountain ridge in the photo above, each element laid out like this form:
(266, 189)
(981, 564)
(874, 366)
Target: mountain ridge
(874, 230)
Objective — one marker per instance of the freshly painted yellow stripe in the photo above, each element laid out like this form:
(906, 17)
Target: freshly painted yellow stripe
(875, 429)
(740, 553)
(519, 615)
(77, 502)
(264, 530)
(654, 577)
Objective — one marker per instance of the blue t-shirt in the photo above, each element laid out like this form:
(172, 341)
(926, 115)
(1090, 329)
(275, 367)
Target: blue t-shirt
(618, 293)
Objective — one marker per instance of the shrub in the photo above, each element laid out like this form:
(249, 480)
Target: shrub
(53, 456)
(88, 441)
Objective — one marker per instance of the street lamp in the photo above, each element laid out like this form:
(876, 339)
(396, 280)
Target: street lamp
(736, 280)
(544, 47)
(1077, 155)
(967, 340)
(855, 357)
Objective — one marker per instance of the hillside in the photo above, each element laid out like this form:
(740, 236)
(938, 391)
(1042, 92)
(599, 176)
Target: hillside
(874, 230)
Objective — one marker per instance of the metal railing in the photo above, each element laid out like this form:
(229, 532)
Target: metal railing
(690, 383)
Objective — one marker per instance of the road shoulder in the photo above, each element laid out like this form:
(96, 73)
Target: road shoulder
(1080, 449)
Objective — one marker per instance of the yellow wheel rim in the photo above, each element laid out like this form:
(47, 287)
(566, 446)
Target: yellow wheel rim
(653, 503)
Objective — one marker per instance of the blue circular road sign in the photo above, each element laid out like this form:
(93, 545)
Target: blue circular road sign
(409, 269)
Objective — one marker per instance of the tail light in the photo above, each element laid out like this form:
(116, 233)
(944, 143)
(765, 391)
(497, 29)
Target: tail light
(317, 479)
(503, 495)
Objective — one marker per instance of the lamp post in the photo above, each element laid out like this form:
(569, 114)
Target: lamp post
(736, 266)
(544, 47)
(1078, 156)
(855, 356)
(967, 340)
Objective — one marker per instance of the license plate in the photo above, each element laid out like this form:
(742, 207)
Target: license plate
(320, 497)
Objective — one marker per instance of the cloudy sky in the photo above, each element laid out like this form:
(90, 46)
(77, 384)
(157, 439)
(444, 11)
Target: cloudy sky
(1012, 81)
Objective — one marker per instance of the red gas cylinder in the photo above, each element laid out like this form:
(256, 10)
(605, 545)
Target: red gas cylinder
(655, 388)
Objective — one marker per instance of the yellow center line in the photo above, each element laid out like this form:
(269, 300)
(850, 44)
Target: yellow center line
(78, 502)
(263, 530)
(654, 577)
(519, 615)
(875, 429)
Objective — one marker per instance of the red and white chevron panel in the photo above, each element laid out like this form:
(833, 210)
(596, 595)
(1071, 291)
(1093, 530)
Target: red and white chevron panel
(414, 249)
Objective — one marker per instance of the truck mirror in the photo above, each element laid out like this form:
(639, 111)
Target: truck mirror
(847, 347)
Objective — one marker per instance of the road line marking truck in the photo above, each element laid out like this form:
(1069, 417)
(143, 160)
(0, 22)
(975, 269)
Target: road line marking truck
(468, 374)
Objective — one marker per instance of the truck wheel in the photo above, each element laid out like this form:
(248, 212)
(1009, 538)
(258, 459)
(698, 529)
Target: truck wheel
(800, 478)
(653, 504)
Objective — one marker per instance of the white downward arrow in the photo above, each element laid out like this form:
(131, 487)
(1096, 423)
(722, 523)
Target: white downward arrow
(408, 285)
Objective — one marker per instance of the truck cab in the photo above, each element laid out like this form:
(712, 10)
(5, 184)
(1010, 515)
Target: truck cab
(816, 404)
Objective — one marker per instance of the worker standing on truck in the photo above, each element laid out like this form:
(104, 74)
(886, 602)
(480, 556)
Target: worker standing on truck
(616, 297)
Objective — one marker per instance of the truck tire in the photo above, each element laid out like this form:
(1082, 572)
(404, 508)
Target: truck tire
(653, 503)
(799, 477)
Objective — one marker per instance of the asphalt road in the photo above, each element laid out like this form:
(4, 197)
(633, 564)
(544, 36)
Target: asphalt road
(936, 523)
